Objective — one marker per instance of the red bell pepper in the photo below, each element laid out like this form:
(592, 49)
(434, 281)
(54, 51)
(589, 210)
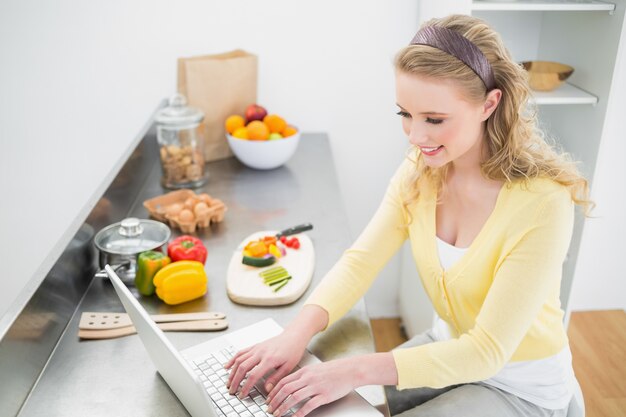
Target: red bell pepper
(187, 248)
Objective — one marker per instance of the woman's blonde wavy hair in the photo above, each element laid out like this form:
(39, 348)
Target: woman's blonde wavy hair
(517, 148)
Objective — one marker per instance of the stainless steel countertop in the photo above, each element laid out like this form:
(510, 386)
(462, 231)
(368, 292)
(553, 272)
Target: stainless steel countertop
(116, 377)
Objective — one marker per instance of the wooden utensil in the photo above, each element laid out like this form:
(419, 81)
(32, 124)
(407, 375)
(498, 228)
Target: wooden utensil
(105, 321)
(178, 326)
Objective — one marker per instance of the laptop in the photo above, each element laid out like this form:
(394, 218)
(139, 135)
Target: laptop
(197, 376)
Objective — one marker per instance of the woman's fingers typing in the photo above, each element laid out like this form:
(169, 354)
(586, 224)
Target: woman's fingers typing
(298, 397)
(286, 387)
(281, 372)
(310, 387)
(231, 362)
(252, 366)
(255, 376)
(241, 366)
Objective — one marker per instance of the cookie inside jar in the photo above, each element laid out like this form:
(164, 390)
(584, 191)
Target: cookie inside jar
(181, 144)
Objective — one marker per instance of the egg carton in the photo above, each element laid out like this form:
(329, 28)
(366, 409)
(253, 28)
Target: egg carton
(170, 208)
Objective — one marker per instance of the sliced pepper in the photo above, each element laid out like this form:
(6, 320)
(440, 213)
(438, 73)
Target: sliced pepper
(148, 264)
(187, 248)
(269, 240)
(275, 251)
(257, 249)
(181, 281)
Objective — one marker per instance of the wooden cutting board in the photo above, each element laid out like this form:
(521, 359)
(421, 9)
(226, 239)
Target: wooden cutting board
(245, 286)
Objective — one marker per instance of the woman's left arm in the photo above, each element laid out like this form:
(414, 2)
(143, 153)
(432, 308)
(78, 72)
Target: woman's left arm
(315, 385)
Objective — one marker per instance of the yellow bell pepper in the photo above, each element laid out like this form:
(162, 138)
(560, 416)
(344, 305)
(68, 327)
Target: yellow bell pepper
(180, 281)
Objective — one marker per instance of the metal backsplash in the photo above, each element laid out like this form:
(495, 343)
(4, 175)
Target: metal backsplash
(35, 331)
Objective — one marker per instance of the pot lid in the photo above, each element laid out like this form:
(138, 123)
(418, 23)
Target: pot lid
(131, 236)
(178, 113)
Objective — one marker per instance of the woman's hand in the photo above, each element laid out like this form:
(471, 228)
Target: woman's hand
(311, 387)
(279, 354)
(315, 385)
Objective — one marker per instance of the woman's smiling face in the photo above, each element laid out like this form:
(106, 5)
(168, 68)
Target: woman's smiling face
(440, 121)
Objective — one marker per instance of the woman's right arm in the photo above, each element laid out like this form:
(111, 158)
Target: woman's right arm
(342, 286)
(280, 353)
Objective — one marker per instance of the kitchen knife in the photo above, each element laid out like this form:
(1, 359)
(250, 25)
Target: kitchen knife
(294, 230)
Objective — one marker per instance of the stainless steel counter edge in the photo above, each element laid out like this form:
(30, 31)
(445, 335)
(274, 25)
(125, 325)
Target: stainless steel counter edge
(72, 377)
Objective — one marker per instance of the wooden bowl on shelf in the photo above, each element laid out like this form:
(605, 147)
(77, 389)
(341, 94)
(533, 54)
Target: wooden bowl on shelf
(546, 75)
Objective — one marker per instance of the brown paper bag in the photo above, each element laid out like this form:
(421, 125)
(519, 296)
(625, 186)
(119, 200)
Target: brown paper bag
(219, 85)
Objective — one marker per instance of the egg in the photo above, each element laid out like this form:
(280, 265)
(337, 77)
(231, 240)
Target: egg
(173, 210)
(190, 203)
(186, 216)
(206, 198)
(201, 209)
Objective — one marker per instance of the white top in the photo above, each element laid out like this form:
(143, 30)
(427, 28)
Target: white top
(547, 382)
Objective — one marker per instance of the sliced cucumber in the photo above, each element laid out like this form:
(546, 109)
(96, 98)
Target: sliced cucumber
(258, 262)
(272, 270)
(276, 277)
(276, 289)
(278, 281)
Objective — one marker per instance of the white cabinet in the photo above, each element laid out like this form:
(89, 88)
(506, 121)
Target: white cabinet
(541, 5)
(583, 34)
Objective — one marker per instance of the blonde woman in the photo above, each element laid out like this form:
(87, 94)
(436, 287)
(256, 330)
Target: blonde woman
(488, 207)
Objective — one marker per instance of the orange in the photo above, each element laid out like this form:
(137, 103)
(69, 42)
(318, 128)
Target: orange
(289, 130)
(241, 133)
(275, 123)
(234, 122)
(257, 130)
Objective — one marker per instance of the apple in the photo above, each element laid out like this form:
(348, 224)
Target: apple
(275, 135)
(255, 112)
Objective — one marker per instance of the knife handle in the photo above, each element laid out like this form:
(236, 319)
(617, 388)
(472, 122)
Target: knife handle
(294, 230)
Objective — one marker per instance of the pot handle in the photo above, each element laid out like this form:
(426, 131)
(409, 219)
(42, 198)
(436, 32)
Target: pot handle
(103, 273)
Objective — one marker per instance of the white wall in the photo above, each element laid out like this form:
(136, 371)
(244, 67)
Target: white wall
(79, 79)
(600, 278)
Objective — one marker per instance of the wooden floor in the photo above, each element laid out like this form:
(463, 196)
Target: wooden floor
(388, 333)
(598, 343)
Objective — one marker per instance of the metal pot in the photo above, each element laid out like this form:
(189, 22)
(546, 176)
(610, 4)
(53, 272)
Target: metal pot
(120, 243)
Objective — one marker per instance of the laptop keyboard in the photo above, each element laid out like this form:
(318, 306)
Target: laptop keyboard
(214, 378)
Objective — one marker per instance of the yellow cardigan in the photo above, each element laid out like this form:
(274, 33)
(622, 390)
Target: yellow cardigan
(501, 298)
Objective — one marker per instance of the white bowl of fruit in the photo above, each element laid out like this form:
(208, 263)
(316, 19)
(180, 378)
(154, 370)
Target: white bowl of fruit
(261, 140)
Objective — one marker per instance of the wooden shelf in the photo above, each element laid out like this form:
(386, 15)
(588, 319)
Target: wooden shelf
(565, 94)
(542, 5)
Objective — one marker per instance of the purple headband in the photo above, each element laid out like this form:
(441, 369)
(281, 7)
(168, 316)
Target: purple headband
(460, 47)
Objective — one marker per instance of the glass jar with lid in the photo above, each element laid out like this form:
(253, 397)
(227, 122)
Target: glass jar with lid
(181, 144)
